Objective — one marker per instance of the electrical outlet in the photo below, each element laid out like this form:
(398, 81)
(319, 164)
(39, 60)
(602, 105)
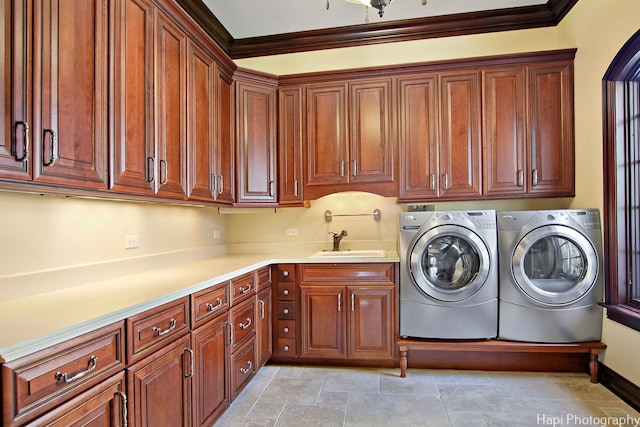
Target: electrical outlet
(131, 241)
(216, 234)
(290, 231)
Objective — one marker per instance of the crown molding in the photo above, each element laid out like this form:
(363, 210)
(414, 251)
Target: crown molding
(518, 18)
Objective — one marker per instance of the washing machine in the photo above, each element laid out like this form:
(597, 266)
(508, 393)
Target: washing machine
(551, 276)
(448, 275)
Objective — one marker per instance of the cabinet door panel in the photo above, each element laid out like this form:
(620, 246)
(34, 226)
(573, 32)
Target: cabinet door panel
(418, 137)
(70, 135)
(371, 132)
(14, 140)
(551, 127)
(264, 327)
(201, 74)
(371, 322)
(322, 321)
(225, 171)
(460, 173)
(504, 131)
(326, 135)
(290, 145)
(170, 85)
(133, 151)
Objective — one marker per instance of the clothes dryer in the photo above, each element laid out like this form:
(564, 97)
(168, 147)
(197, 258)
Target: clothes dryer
(550, 276)
(448, 275)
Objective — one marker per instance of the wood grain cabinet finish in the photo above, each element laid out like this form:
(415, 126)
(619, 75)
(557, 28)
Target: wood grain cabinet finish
(264, 324)
(242, 367)
(291, 117)
(528, 130)
(243, 287)
(256, 148)
(284, 311)
(55, 69)
(243, 323)
(209, 303)
(440, 145)
(37, 383)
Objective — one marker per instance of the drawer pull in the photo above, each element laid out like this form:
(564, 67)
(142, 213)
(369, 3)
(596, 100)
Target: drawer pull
(245, 290)
(285, 273)
(157, 332)
(285, 311)
(245, 325)
(285, 348)
(248, 368)
(285, 330)
(125, 410)
(285, 292)
(211, 307)
(93, 363)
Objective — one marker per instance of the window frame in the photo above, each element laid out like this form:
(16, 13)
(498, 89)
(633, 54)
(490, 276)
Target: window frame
(621, 164)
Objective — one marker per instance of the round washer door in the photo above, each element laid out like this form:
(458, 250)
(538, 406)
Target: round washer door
(449, 263)
(555, 265)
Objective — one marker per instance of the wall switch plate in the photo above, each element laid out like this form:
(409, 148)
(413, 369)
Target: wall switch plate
(290, 231)
(131, 241)
(216, 234)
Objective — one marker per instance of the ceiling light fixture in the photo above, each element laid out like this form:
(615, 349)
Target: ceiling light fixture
(378, 4)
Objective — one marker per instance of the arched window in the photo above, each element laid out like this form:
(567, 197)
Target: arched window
(621, 128)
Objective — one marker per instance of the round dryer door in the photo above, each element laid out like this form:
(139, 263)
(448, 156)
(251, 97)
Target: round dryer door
(555, 265)
(449, 263)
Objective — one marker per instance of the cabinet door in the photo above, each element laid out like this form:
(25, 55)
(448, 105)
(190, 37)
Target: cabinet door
(201, 75)
(459, 149)
(210, 384)
(418, 137)
(371, 320)
(551, 129)
(264, 329)
(159, 387)
(70, 134)
(290, 117)
(170, 86)
(371, 125)
(503, 139)
(256, 149)
(133, 150)
(224, 122)
(15, 149)
(322, 321)
(327, 154)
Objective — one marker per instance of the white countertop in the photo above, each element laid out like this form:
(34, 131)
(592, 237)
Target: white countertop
(36, 322)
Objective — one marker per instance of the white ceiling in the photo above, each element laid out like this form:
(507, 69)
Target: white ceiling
(254, 18)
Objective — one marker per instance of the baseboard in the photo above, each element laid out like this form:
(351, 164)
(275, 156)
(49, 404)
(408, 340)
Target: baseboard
(620, 386)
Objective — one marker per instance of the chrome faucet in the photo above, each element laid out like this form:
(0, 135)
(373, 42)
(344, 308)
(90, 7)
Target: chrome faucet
(336, 239)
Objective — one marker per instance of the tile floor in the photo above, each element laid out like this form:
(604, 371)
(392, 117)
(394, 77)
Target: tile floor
(318, 396)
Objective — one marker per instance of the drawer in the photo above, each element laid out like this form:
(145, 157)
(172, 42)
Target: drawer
(286, 273)
(285, 329)
(286, 347)
(208, 303)
(243, 366)
(373, 273)
(243, 323)
(155, 328)
(38, 382)
(286, 309)
(264, 277)
(286, 291)
(243, 287)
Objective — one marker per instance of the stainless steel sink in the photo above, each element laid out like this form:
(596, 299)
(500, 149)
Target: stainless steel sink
(353, 253)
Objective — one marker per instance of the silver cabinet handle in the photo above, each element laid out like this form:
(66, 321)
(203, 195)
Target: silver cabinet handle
(340, 301)
(54, 146)
(296, 188)
(520, 178)
(433, 182)
(261, 304)
(342, 168)
(229, 336)
(247, 369)
(353, 302)
(445, 177)
(245, 290)
(125, 410)
(211, 307)
(534, 178)
(93, 363)
(221, 186)
(157, 332)
(354, 172)
(151, 168)
(213, 185)
(164, 171)
(245, 325)
(271, 187)
(25, 135)
(192, 357)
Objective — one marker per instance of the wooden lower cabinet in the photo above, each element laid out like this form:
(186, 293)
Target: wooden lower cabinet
(159, 387)
(210, 381)
(264, 328)
(353, 322)
(243, 367)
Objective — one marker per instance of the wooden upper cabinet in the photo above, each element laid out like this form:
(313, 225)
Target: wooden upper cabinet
(224, 142)
(550, 129)
(290, 139)
(440, 136)
(15, 146)
(256, 141)
(64, 141)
